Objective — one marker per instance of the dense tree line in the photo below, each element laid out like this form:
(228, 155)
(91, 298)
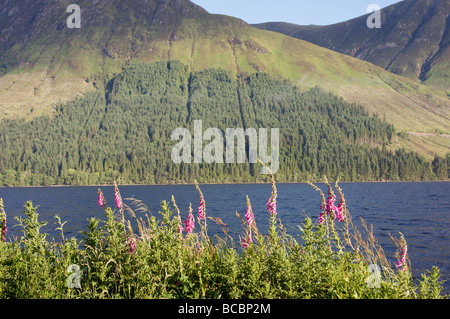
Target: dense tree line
(122, 132)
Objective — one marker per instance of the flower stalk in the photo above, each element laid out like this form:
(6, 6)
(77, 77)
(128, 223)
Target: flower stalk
(250, 218)
(118, 200)
(202, 210)
(189, 223)
(401, 263)
(101, 199)
(180, 227)
(3, 226)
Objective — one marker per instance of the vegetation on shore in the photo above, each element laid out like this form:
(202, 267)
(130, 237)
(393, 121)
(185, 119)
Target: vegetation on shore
(172, 256)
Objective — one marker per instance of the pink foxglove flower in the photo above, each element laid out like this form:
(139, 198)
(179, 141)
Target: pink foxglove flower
(249, 213)
(3, 221)
(247, 241)
(250, 218)
(272, 206)
(131, 245)
(321, 217)
(189, 223)
(272, 201)
(330, 208)
(340, 212)
(117, 196)
(201, 209)
(101, 199)
(342, 207)
(404, 249)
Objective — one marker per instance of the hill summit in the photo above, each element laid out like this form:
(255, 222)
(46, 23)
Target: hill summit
(413, 40)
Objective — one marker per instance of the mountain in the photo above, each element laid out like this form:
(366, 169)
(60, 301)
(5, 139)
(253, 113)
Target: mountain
(44, 63)
(128, 133)
(413, 40)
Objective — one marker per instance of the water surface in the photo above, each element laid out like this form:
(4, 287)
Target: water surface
(419, 210)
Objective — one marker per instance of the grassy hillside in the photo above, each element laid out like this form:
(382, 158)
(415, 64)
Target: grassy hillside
(44, 62)
(413, 40)
(124, 133)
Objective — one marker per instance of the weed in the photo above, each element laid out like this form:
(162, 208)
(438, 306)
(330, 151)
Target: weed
(168, 258)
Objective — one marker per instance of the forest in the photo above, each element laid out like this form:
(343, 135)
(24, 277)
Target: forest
(121, 132)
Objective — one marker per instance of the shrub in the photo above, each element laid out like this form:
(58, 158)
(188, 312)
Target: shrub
(170, 258)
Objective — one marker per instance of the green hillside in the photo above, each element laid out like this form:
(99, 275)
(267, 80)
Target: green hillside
(124, 133)
(413, 40)
(44, 63)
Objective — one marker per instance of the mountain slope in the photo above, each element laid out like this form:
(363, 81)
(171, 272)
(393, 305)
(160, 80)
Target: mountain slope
(44, 62)
(413, 40)
(127, 135)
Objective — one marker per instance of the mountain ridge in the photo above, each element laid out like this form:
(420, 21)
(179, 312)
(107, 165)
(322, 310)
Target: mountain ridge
(413, 40)
(45, 63)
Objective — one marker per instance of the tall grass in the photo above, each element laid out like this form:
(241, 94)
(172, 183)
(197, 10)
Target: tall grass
(167, 257)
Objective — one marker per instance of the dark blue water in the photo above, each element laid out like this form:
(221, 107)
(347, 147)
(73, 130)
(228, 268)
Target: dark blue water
(420, 210)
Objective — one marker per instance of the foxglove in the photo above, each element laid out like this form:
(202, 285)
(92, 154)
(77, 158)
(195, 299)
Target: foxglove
(101, 199)
(189, 223)
(117, 196)
(249, 213)
(404, 249)
(272, 202)
(3, 221)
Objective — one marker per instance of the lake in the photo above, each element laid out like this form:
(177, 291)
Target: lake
(420, 210)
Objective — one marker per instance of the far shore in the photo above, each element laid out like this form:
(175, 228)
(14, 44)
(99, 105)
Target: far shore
(230, 183)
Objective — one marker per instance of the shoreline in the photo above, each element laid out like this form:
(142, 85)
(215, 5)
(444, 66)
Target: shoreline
(241, 183)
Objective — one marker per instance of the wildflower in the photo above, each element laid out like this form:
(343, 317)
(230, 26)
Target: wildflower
(272, 206)
(101, 199)
(339, 211)
(249, 213)
(189, 223)
(250, 218)
(117, 196)
(3, 221)
(330, 207)
(246, 242)
(272, 201)
(131, 245)
(321, 217)
(404, 250)
(201, 207)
